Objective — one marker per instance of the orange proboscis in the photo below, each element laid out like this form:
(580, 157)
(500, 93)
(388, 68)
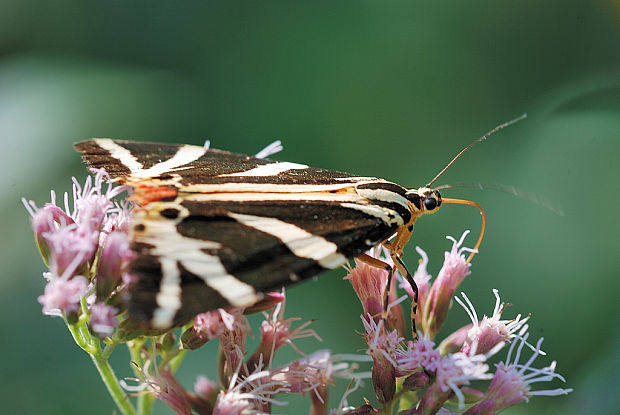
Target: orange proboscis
(144, 194)
(469, 202)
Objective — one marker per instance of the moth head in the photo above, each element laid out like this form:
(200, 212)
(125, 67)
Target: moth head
(424, 199)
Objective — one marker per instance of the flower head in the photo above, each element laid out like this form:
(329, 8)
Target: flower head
(455, 268)
(114, 257)
(206, 392)
(250, 395)
(164, 386)
(369, 285)
(69, 240)
(276, 331)
(382, 346)
(512, 380)
(313, 374)
(62, 294)
(103, 319)
(418, 355)
(484, 335)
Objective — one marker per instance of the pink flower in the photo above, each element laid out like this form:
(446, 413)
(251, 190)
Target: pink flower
(71, 249)
(250, 395)
(511, 382)
(69, 239)
(382, 347)
(163, 385)
(484, 335)
(230, 328)
(369, 285)
(215, 324)
(276, 332)
(203, 400)
(91, 203)
(313, 374)
(419, 355)
(455, 269)
(452, 372)
(205, 388)
(103, 319)
(115, 256)
(62, 294)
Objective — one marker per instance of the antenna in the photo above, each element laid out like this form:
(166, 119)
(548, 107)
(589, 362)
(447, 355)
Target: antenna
(511, 190)
(476, 141)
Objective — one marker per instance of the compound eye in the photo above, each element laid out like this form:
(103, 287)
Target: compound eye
(430, 203)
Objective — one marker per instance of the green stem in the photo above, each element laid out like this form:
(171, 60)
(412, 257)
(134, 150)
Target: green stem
(388, 408)
(176, 361)
(173, 359)
(145, 400)
(111, 382)
(91, 345)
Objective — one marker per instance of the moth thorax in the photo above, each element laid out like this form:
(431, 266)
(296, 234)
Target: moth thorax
(424, 199)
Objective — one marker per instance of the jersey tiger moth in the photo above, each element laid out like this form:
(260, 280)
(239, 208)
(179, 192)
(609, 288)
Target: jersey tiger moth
(216, 229)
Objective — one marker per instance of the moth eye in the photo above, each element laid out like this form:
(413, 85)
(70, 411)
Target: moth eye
(430, 203)
(169, 213)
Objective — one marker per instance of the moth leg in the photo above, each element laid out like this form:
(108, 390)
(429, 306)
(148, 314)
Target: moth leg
(400, 266)
(377, 263)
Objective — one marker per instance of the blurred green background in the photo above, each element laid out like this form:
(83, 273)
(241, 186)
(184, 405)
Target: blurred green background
(381, 88)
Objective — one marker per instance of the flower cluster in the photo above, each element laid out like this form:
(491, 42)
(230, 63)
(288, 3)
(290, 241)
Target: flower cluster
(86, 246)
(431, 375)
(249, 382)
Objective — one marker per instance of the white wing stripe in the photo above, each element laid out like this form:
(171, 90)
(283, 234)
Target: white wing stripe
(121, 154)
(175, 249)
(300, 242)
(185, 155)
(271, 169)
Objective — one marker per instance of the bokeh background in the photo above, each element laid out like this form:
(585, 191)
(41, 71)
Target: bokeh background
(391, 89)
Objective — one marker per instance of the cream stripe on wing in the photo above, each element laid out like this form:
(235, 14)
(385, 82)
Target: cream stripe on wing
(168, 298)
(300, 242)
(172, 249)
(185, 155)
(120, 153)
(271, 169)
(267, 188)
(249, 197)
(388, 216)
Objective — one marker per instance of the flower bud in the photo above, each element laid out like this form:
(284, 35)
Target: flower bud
(114, 257)
(455, 269)
(103, 319)
(383, 378)
(63, 295)
(369, 285)
(44, 222)
(203, 401)
(192, 339)
(416, 381)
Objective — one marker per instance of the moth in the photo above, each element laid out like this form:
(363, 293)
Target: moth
(215, 229)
